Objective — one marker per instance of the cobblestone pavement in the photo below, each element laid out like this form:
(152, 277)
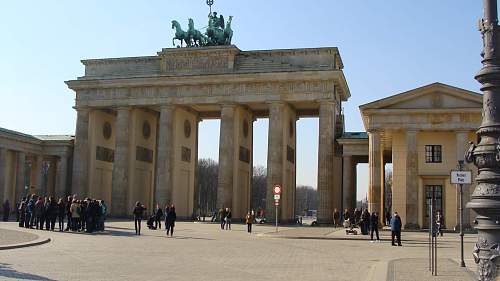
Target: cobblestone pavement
(202, 251)
(10, 237)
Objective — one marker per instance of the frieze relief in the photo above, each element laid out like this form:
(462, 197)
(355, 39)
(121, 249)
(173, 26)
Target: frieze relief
(195, 64)
(208, 90)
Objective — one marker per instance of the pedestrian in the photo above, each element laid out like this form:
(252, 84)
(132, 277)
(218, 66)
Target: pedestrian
(346, 215)
(396, 229)
(38, 213)
(229, 216)
(17, 210)
(222, 215)
(167, 210)
(22, 212)
(30, 206)
(440, 223)
(102, 218)
(374, 226)
(365, 222)
(158, 212)
(61, 212)
(249, 221)
(138, 214)
(75, 215)
(6, 210)
(388, 218)
(69, 225)
(171, 217)
(336, 218)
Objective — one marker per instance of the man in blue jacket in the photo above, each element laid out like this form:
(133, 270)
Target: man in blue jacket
(396, 228)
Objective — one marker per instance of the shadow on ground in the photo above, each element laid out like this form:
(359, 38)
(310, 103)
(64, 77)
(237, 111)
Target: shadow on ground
(7, 271)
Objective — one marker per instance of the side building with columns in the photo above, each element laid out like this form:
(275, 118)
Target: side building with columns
(34, 164)
(424, 133)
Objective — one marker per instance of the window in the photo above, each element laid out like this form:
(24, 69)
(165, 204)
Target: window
(433, 154)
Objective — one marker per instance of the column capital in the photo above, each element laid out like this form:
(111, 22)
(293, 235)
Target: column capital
(82, 108)
(122, 108)
(228, 105)
(326, 101)
(169, 106)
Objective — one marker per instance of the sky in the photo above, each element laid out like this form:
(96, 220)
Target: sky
(387, 47)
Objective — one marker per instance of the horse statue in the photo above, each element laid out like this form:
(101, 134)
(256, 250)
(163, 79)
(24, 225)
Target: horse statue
(228, 32)
(180, 34)
(194, 36)
(216, 34)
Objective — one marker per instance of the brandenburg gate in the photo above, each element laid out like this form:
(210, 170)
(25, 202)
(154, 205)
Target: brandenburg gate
(137, 125)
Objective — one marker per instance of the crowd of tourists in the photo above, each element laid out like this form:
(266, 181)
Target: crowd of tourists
(43, 212)
(369, 223)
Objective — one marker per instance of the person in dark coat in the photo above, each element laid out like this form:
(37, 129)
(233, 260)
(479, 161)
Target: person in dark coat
(388, 218)
(167, 210)
(51, 213)
(38, 213)
(229, 217)
(396, 229)
(61, 212)
(374, 226)
(158, 216)
(365, 222)
(6, 210)
(171, 217)
(138, 214)
(222, 218)
(336, 218)
(68, 213)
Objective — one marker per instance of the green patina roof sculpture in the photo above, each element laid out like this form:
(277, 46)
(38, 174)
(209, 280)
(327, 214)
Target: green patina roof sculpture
(217, 32)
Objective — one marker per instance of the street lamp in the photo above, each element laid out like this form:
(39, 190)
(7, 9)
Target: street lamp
(486, 155)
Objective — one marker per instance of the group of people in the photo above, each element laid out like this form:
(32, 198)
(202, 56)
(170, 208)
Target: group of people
(369, 223)
(225, 216)
(42, 212)
(154, 221)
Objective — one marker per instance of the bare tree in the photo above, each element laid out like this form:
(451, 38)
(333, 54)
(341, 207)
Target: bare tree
(306, 198)
(208, 171)
(388, 190)
(259, 182)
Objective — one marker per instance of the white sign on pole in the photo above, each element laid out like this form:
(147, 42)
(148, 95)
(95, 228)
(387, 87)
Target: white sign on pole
(461, 177)
(277, 197)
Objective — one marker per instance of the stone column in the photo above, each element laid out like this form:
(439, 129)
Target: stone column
(166, 154)
(411, 180)
(274, 155)
(325, 161)
(40, 188)
(349, 183)
(61, 176)
(462, 138)
(374, 166)
(3, 174)
(121, 164)
(81, 153)
(20, 175)
(226, 157)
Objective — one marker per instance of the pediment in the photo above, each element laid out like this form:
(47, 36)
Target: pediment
(434, 96)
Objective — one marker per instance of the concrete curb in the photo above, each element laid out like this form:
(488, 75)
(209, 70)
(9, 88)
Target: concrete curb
(36, 242)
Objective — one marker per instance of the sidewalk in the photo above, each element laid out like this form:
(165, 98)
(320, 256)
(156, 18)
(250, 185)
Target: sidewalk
(418, 269)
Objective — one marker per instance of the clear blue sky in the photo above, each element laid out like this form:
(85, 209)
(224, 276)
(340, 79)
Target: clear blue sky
(387, 47)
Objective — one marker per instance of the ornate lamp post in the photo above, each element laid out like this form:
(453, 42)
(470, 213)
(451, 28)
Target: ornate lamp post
(486, 155)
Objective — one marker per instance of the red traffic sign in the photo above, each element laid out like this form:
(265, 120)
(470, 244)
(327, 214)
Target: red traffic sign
(277, 189)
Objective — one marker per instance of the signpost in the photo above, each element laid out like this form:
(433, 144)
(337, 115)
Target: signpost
(461, 177)
(277, 197)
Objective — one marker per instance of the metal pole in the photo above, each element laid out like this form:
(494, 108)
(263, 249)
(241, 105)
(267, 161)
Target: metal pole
(486, 155)
(276, 217)
(461, 191)
(429, 212)
(431, 227)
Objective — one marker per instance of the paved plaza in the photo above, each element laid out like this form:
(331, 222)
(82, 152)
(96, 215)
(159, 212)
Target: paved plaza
(201, 251)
